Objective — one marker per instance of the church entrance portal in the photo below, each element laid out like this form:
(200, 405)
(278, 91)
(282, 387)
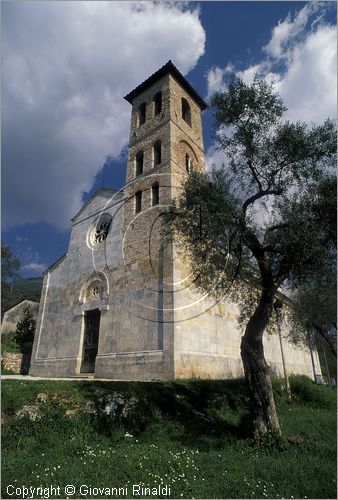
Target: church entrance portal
(91, 340)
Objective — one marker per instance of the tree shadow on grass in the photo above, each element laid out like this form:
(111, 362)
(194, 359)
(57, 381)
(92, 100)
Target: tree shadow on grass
(200, 413)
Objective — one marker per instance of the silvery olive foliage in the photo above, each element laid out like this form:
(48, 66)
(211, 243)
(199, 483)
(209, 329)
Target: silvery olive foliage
(255, 213)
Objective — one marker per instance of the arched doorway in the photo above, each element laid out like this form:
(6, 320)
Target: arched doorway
(92, 295)
(91, 340)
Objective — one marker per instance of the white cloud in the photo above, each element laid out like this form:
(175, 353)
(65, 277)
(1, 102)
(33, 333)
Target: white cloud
(309, 87)
(288, 30)
(301, 59)
(66, 68)
(215, 78)
(248, 74)
(214, 157)
(34, 267)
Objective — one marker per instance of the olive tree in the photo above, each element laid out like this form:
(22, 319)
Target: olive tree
(315, 302)
(243, 226)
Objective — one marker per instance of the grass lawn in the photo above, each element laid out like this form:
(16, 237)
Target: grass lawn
(187, 435)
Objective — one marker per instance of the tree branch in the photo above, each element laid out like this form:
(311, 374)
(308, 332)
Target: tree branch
(254, 174)
(277, 226)
(257, 196)
(321, 331)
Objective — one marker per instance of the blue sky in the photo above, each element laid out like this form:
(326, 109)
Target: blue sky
(67, 65)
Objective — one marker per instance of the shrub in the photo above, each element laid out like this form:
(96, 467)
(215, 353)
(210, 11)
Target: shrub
(306, 391)
(24, 332)
(8, 342)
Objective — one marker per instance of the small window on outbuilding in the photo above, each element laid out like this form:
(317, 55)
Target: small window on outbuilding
(142, 113)
(138, 202)
(139, 163)
(157, 103)
(186, 111)
(188, 163)
(157, 153)
(155, 194)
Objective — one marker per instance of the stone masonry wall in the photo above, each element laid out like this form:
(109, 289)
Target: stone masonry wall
(15, 314)
(15, 362)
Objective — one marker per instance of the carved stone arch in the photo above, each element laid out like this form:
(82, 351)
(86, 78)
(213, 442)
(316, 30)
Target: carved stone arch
(96, 287)
(185, 147)
(186, 150)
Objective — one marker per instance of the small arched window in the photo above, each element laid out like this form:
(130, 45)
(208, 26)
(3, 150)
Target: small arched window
(157, 153)
(155, 194)
(157, 103)
(138, 202)
(186, 111)
(139, 163)
(142, 113)
(94, 291)
(188, 163)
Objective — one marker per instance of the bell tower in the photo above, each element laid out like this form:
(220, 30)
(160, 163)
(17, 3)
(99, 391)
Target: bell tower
(165, 144)
(166, 140)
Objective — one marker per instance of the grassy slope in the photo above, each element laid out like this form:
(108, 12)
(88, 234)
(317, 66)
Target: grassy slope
(171, 444)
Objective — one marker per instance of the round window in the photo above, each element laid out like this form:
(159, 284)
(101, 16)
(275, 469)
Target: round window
(99, 232)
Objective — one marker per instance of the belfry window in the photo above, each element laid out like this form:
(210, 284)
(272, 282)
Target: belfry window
(186, 111)
(142, 113)
(155, 194)
(138, 202)
(188, 163)
(139, 163)
(157, 103)
(157, 153)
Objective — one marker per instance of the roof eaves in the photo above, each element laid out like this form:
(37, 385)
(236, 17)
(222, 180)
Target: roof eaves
(21, 302)
(90, 199)
(55, 264)
(169, 67)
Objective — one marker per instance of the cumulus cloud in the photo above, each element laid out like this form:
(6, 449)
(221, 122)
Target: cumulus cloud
(215, 78)
(66, 68)
(309, 87)
(288, 30)
(301, 60)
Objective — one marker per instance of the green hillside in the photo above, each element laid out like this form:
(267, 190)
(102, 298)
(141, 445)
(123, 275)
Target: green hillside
(29, 288)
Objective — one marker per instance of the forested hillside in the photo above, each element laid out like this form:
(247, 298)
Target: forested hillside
(11, 294)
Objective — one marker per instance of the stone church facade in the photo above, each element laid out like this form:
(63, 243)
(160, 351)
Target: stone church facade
(121, 304)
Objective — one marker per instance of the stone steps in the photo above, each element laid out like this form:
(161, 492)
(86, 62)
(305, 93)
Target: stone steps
(83, 375)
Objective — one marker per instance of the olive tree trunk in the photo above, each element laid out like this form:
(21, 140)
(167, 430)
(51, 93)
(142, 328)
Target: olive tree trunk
(256, 370)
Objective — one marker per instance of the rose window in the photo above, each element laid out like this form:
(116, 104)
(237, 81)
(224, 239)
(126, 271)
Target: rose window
(101, 231)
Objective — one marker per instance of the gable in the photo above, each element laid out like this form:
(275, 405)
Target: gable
(101, 200)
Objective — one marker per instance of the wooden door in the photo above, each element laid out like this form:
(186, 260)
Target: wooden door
(91, 340)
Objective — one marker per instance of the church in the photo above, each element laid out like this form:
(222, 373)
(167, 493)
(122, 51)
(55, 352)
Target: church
(121, 304)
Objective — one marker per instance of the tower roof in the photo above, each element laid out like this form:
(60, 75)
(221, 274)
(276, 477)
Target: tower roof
(167, 68)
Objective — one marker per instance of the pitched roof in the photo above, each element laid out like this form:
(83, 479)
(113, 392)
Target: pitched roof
(167, 68)
(21, 301)
(93, 196)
